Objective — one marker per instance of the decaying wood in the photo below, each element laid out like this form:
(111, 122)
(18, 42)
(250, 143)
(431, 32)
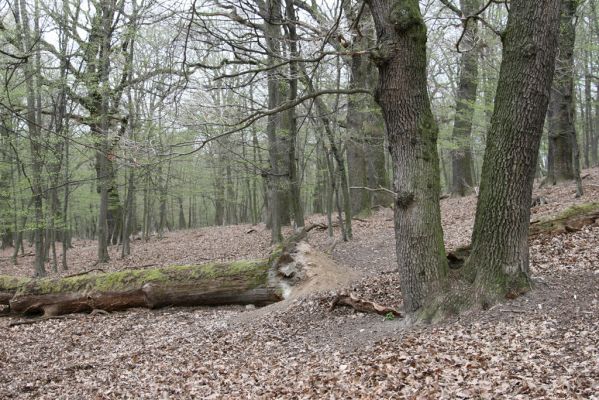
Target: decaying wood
(362, 305)
(241, 282)
(255, 282)
(571, 220)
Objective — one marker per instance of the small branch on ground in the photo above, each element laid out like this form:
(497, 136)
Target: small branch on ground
(86, 272)
(362, 305)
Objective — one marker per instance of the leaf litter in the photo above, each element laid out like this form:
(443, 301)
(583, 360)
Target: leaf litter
(541, 345)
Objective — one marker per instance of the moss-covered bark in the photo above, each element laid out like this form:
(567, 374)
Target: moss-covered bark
(412, 132)
(257, 282)
(239, 282)
(561, 113)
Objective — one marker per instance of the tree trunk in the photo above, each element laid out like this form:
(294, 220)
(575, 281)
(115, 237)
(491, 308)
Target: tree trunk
(365, 125)
(560, 115)
(6, 177)
(500, 237)
(294, 176)
(412, 133)
(461, 156)
(595, 138)
(570, 220)
(278, 177)
(103, 184)
(34, 124)
(587, 111)
(338, 157)
(594, 150)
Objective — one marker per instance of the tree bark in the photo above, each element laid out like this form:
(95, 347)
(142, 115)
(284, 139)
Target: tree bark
(570, 220)
(562, 133)
(278, 177)
(365, 124)
(34, 124)
(500, 257)
(412, 132)
(294, 176)
(461, 156)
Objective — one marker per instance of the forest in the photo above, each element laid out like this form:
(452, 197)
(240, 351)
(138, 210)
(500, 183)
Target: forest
(299, 199)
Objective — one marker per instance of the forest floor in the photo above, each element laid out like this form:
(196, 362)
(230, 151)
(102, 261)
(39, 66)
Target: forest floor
(542, 345)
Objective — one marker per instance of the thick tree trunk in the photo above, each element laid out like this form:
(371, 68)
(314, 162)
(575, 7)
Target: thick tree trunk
(562, 133)
(278, 143)
(461, 156)
(500, 237)
(412, 132)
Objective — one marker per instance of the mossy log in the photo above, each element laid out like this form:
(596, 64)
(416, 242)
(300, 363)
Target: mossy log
(570, 220)
(259, 282)
(240, 282)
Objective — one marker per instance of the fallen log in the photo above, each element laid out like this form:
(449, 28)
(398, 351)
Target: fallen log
(240, 282)
(570, 220)
(259, 282)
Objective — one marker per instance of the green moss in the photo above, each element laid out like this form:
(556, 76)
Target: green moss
(578, 210)
(553, 222)
(405, 15)
(254, 272)
(12, 283)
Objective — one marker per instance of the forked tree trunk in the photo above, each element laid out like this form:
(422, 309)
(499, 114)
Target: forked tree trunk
(412, 132)
(500, 237)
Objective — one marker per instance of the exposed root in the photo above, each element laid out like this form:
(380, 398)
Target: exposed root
(363, 305)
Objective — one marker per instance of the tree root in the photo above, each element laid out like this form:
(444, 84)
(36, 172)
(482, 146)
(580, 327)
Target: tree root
(362, 305)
